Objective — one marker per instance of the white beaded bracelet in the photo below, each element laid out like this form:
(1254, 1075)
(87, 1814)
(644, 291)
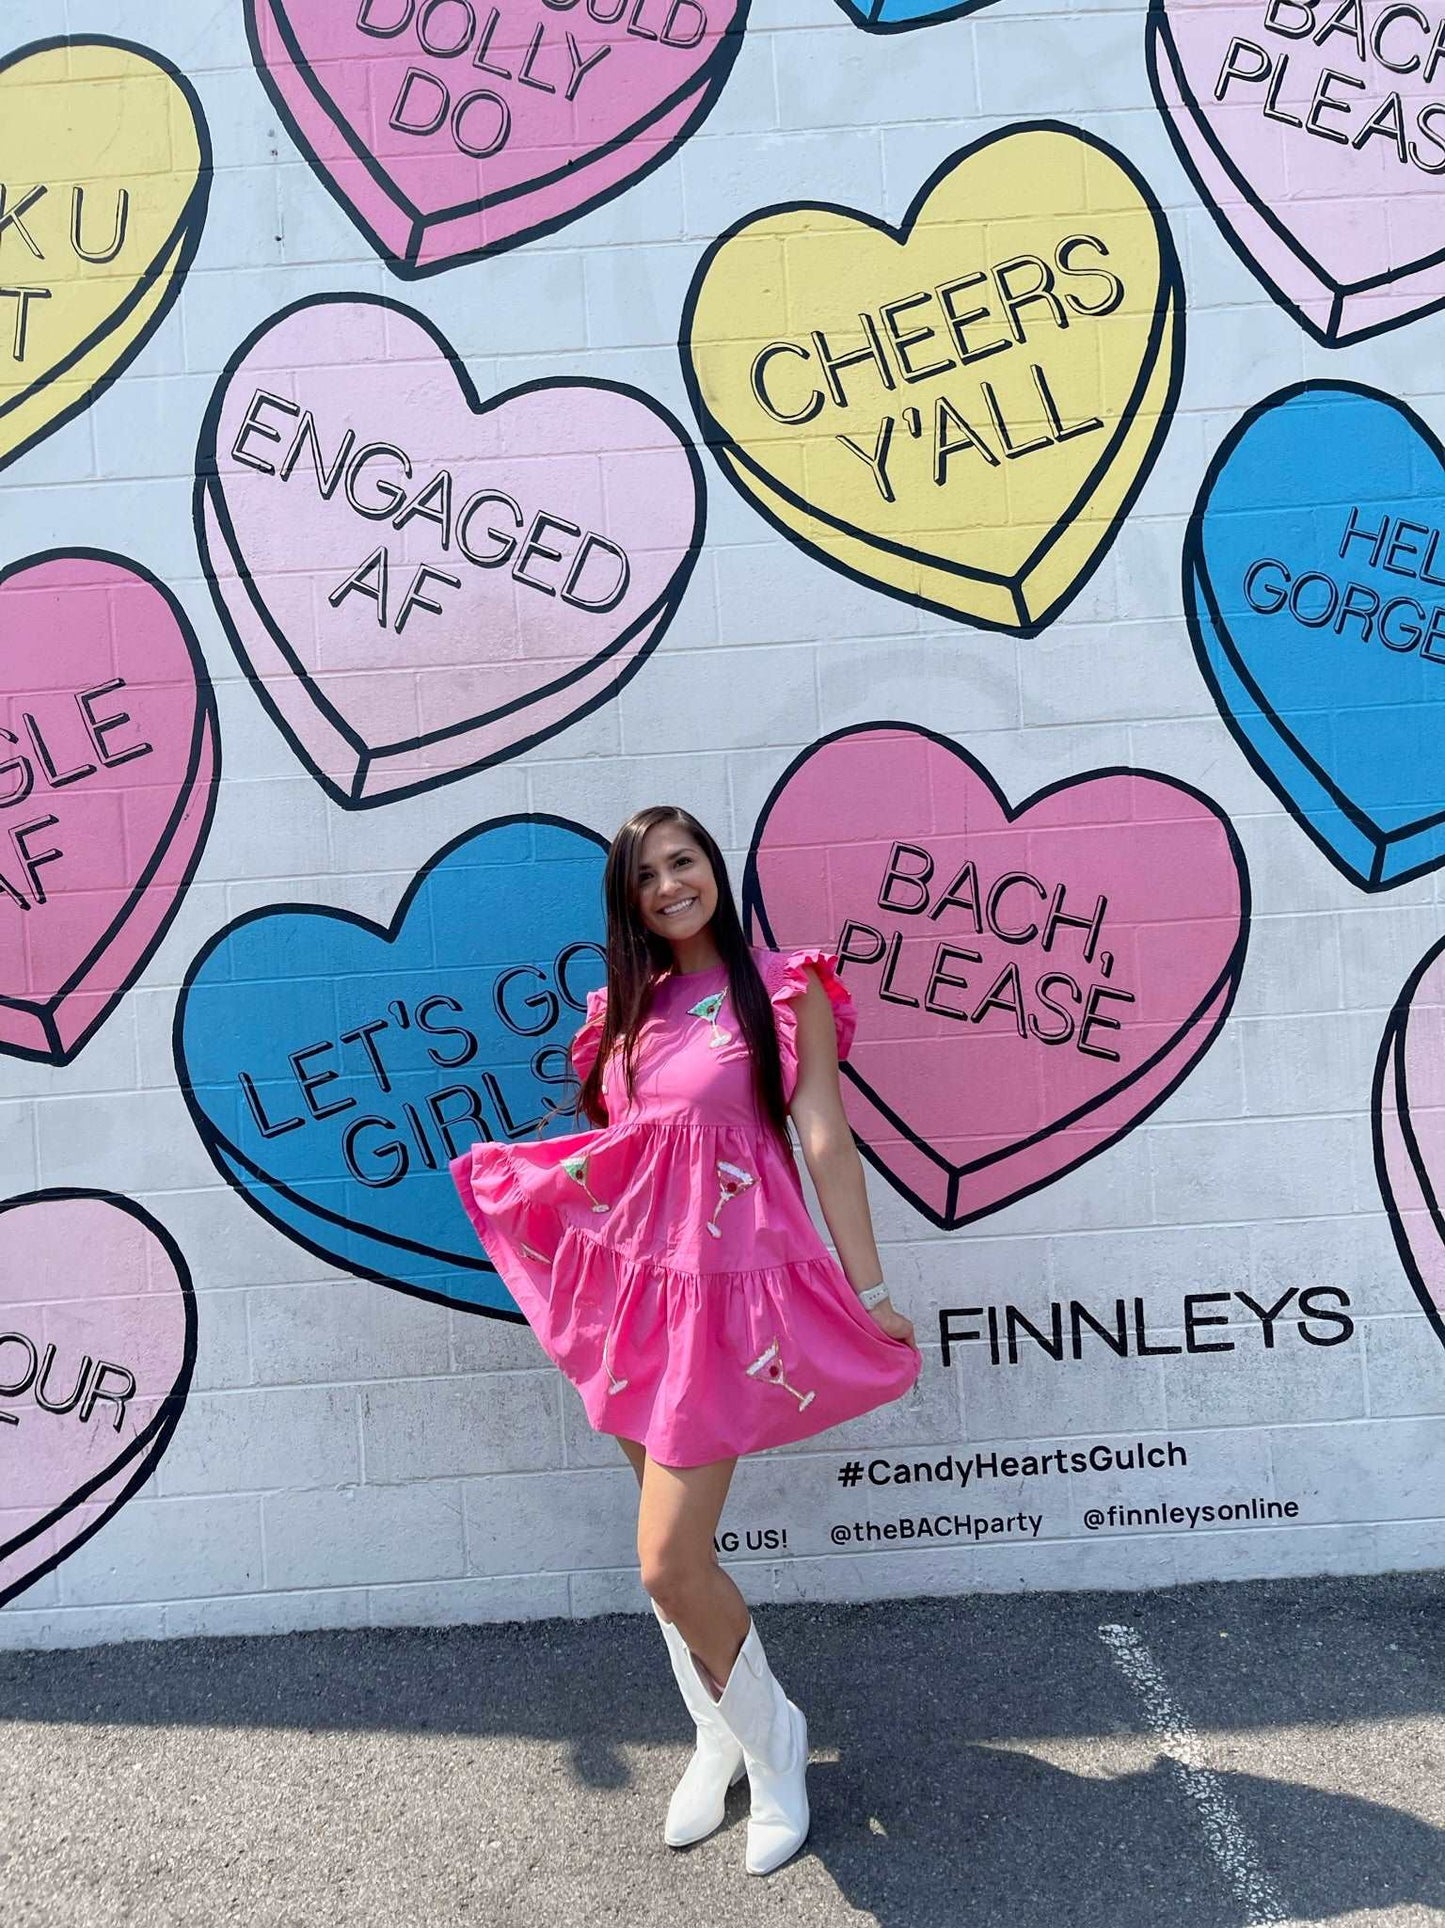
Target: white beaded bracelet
(871, 1297)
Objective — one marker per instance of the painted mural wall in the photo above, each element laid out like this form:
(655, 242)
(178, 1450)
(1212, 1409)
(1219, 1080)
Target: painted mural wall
(984, 460)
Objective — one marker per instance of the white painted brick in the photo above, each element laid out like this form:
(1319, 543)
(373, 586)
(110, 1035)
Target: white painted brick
(420, 1429)
(1405, 1366)
(1065, 684)
(1375, 1469)
(478, 1343)
(549, 1522)
(271, 1612)
(752, 696)
(364, 1535)
(634, 296)
(23, 1631)
(1261, 1168)
(1355, 1254)
(263, 1440)
(773, 593)
(844, 165)
(153, 1548)
(1095, 1393)
(466, 1603)
(223, 1347)
(1275, 1552)
(1303, 1066)
(1259, 1386)
(134, 1141)
(1158, 1263)
(976, 688)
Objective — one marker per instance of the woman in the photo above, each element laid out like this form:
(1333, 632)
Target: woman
(668, 1264)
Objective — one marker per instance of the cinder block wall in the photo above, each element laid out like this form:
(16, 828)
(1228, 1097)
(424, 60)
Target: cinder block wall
(429, 432)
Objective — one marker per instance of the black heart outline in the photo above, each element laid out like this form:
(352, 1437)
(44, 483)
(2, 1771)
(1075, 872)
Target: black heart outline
(867, 16)
(1225, 984)
(205, 733)
(1394, 1035)
(214, 1142)
(151, 1442)
(183, 240)
(1171, 301)
(209, 488)
(1196, 581)
(1158, 36)
(706, 83)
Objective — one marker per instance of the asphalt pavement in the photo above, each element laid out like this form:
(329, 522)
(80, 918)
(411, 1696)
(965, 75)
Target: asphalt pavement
(1205, 1757)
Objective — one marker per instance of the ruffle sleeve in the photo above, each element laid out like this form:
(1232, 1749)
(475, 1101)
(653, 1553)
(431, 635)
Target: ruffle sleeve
(586, 1043)
(789, 982)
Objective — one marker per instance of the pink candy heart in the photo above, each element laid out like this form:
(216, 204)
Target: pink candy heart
(1321, 155)
(1410, 1129)
(108, 764)
(450, 128)
(97, 1342)
(418, 583)
(1030, 982)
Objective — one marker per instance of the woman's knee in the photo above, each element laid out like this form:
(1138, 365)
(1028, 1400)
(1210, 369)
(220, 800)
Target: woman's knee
(673, 1568)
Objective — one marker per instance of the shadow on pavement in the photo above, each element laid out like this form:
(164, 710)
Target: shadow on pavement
(978, 1762)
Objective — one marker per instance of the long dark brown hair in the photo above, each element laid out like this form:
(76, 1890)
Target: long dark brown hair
(636, 957)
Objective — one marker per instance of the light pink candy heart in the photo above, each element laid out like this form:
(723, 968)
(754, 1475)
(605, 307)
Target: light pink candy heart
(1349, 240)
(1410, 1129)
(963, 1114)
(383, 709)
(444, 140)
(86, 638)
(96, 1313)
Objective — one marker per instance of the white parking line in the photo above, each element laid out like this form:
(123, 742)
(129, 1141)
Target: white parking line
(1225, 1834)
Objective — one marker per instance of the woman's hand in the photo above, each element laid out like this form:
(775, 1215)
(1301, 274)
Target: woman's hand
(893, 1322)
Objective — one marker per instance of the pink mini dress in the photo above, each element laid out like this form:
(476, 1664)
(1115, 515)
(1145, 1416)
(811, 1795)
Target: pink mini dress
(668, 1262)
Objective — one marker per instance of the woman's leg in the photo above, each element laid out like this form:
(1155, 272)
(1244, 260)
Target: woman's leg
(636, 1455)
(676, 1519)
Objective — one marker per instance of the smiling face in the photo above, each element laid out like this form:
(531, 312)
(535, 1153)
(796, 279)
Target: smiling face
(676, 889)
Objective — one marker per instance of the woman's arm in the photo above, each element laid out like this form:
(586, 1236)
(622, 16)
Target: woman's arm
(831, 1156)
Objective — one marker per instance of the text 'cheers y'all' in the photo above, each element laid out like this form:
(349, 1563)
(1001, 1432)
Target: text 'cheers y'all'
(555, 557)
(1006, 911)
(550, 60)
(1398, 38)
(977, 315)
(380, 1147)
(29, 217)
(71, 744)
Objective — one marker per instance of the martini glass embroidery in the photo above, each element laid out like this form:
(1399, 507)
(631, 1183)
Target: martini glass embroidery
(576, 1168)
(771, 1366)
(708, 1008)
(614, 1384)
(732, 1179)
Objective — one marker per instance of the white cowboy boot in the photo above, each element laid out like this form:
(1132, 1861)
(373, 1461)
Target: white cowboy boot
(774, 1737)
(696, 1807)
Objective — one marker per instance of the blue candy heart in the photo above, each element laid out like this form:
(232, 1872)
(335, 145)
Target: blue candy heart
(897, 16)
(1314, 579)
(334, 1067)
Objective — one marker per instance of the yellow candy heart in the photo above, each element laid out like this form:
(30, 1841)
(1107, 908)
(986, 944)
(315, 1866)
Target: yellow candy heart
(104, 171)
(960, 412)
